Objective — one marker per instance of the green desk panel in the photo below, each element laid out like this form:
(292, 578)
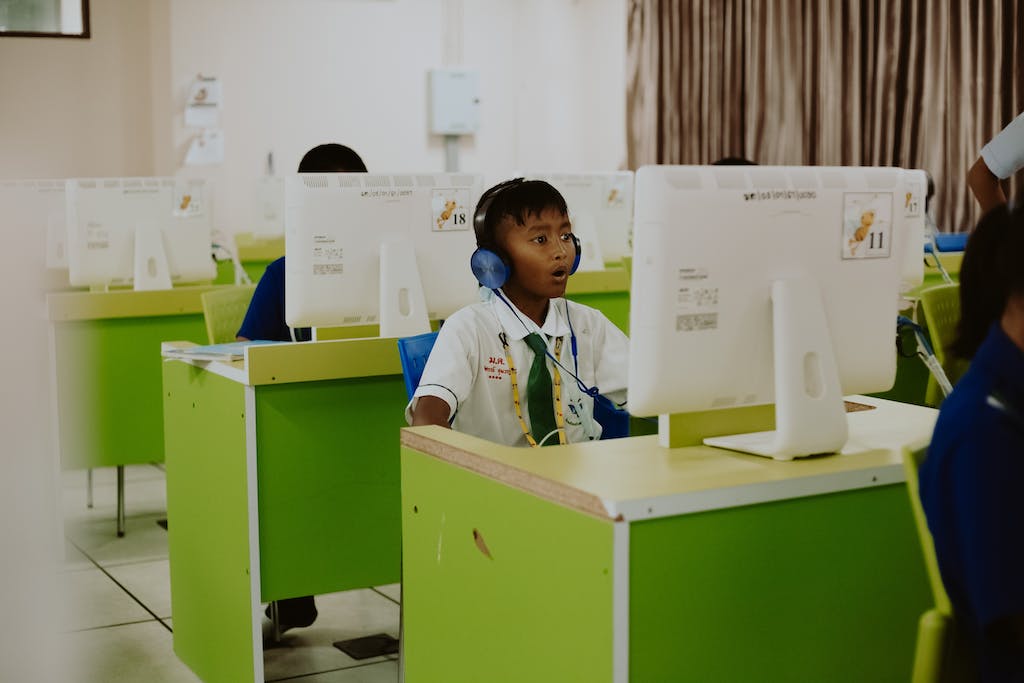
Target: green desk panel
(226, 271)
(328, 479)
(108, 387)
(827, 588)
(615, 306)
(324, 458)
(552, 620)
(254, 269)
(208, 535)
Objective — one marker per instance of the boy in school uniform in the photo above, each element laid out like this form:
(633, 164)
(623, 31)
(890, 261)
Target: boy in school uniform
(492, 371)
(972, 478)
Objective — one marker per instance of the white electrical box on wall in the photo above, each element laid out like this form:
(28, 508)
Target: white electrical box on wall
(454, 101)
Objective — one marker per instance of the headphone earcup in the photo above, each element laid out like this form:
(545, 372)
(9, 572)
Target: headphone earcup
(579, 254)
(488, 268)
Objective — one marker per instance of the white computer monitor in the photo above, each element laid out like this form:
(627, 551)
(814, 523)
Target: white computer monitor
(148, 233)
(765, 285)
(392, 249)
(601, 206)
(914, 236)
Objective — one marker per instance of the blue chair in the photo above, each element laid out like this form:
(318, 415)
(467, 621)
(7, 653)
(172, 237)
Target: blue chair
(414, 351)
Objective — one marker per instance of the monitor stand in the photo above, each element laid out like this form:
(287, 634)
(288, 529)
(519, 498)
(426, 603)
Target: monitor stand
(810, 417)
(403, 307)
(151, 269)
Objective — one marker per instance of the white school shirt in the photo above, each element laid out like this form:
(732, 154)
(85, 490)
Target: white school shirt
(468, 368)
(1004, 154)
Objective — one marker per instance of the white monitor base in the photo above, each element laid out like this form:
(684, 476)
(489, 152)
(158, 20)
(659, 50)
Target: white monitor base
(756, 443)
(810, 417)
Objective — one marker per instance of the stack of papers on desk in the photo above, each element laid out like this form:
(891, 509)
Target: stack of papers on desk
(222, 352)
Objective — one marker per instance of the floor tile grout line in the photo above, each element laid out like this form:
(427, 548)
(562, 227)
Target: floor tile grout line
(385, 595)
(327, 671)
(131, 563)
(119, 585)
(87, 629)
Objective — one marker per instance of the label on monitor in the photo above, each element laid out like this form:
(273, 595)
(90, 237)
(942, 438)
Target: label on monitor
(188, 200)
(867, 229)
(913, 201)
(97, 236)
(327, 257)
(451, 210)
(615, 192)
(696, 301)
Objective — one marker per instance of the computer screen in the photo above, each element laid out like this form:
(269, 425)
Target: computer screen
(367, 248)
(146, 232)
(765, 285)
(600, 204)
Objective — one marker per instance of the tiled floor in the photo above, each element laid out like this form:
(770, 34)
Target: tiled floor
(117, 592)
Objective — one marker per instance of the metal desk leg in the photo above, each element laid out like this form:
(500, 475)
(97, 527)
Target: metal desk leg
(275, 621)
(120, 501)
(88, 488)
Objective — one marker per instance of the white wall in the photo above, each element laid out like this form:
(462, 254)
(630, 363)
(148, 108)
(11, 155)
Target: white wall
(297, 73)
(72, 107)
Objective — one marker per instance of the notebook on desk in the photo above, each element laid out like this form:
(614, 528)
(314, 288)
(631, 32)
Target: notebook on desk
(222, 352)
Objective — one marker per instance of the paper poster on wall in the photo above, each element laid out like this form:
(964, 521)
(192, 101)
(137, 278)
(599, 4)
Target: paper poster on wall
(206, 149)
(204, 101)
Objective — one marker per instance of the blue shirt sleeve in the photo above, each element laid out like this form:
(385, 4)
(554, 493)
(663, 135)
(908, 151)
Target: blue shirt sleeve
(265, 318)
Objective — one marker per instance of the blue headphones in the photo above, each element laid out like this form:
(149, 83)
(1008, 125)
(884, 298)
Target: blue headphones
(491, 269)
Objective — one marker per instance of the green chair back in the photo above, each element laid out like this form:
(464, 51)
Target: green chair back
(941, 308)
(224, 309)
(912, 459)
(941, 655)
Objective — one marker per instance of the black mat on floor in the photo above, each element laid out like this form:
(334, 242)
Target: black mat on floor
(376, 645)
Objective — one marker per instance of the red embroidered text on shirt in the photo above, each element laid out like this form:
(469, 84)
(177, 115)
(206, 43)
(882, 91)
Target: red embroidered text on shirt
(494, 369)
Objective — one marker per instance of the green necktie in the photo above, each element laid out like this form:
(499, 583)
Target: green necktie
(538, 392)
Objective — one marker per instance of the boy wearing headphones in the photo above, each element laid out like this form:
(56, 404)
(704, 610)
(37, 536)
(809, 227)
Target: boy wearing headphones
(521, 368)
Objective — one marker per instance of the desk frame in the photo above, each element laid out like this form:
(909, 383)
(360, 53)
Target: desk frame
(282, 481)
(622, 561)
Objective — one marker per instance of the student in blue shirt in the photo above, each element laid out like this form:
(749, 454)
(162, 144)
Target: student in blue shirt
(265, 317)
(265, 320)
(972, 482)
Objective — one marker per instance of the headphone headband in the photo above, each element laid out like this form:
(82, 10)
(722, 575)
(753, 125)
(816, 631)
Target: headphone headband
(480, 217)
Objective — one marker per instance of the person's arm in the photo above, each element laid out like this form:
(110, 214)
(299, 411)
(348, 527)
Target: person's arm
(985, 186)
(430, 410)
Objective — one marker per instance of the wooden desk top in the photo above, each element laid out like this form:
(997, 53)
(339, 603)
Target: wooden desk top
(307, 361)
(126, 303)
(634, 479)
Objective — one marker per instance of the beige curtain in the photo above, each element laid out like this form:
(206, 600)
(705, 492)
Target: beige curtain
(912, 83)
